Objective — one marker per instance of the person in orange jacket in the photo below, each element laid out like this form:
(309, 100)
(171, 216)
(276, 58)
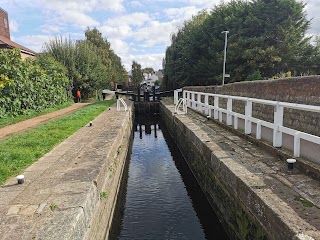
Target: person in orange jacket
(78, 95)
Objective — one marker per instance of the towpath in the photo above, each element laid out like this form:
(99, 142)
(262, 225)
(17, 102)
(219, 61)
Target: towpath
(33, 122)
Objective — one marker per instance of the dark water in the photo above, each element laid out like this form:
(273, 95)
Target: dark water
(161, 199)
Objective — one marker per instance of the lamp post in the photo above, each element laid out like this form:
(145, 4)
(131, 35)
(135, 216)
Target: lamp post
(225, 55)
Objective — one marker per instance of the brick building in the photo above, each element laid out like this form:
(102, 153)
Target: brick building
(5, 42)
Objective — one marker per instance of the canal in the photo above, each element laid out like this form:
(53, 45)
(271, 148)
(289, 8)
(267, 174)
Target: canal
(159, 197)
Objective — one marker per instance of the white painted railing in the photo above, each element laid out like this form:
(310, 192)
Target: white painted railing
(119, 101)
(194, 100)
(176, 95)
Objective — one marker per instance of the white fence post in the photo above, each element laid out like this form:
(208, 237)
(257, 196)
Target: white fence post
(278, 121)
(216, 106)
(206, 104)
(258, 132)
(236, 121)
(199, 105)
(229, 110)
(175, 97)
(248, 113)
(296, 144)
(188, 99)
(193, 103)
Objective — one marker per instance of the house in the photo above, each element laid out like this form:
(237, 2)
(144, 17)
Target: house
(149, 81)
(5, 42)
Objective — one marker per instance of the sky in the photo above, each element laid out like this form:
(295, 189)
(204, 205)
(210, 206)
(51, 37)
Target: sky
(138, 30)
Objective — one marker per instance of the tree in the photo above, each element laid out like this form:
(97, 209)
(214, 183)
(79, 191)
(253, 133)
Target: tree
(91, 63)
(137, 75)
(268, 36)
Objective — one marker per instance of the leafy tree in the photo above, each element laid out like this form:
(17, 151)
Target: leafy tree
(137, 76)
(149, 69)
(268, 36)
(256, 75)
(34, 84)
(91, 63)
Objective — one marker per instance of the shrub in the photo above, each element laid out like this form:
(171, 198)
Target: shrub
(30, 84)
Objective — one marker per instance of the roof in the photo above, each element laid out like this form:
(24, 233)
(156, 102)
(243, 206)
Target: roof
(11, 44)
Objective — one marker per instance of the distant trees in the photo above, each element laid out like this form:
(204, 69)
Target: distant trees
(137, 74)
(267, 37)
(91, 63)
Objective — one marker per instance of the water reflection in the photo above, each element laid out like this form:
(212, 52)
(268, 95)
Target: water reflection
(157, 199)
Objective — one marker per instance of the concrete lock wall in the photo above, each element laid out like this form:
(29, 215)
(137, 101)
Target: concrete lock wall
(236, 218)
(302, 90)
(111, 176)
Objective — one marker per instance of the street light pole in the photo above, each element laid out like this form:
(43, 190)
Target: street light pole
(225, 55)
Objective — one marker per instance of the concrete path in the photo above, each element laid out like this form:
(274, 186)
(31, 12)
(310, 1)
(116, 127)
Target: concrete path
(33, 122)
(61, 193)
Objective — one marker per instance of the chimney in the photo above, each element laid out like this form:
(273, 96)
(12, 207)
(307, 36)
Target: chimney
(4, 24)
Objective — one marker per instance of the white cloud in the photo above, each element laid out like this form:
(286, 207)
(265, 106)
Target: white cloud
(120, 47)
(181, 13)
(313, 9)
(115, 32)
(205, 3)
(136, 4)
(50, 28)
(81, 5)
(157, 32)
(33, 42)
(146, 60)
(78, 18)
(13, 25)
(134, 19)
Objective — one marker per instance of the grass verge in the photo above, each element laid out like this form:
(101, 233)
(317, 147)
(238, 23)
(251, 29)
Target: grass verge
(12, 120)
(20, 151)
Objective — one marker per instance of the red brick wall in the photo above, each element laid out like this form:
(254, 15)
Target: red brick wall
(4, 31)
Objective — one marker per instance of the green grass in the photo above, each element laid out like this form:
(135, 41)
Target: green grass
(12, 120)
(20, 151)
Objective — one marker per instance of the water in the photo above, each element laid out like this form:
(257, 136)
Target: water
(162, 200)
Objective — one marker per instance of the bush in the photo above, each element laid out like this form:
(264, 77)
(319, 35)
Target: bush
(30, 84)
(256, 75)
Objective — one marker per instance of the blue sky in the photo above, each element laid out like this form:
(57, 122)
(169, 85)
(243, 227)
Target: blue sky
(138, 30)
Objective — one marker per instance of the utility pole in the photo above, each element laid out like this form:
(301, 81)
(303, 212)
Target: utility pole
(225, 56)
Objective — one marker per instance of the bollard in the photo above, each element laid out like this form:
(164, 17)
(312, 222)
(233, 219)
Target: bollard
(90, 124)
(20, 179)
(290, 162)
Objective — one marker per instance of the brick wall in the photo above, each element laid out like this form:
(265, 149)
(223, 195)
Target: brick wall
(303, 90)
(4, 24)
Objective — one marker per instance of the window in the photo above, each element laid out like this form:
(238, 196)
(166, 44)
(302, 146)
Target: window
(5, 23)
